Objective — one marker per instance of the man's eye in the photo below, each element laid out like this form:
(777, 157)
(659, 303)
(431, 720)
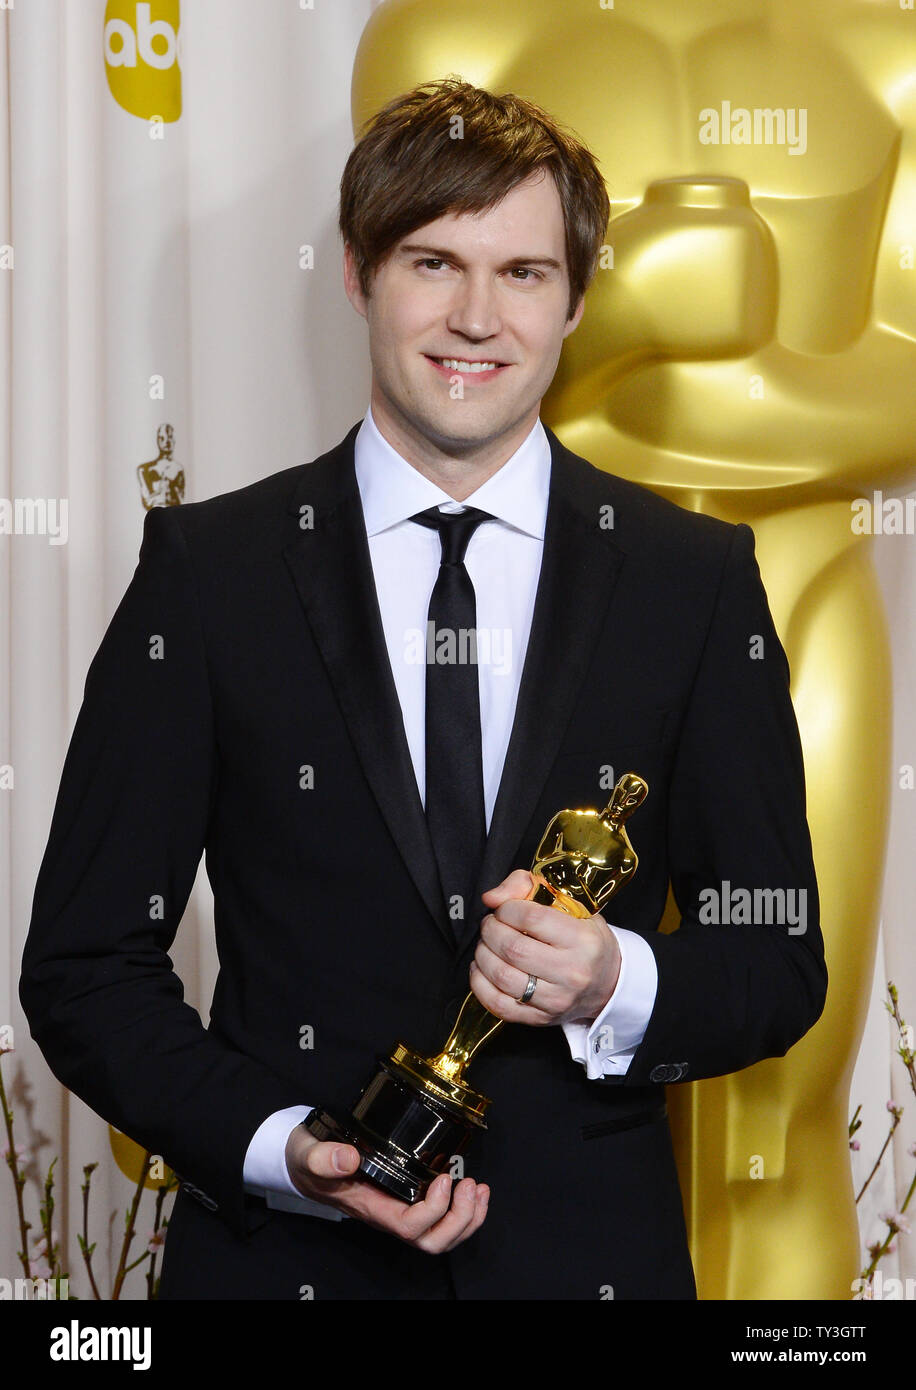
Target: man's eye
(431, 261)
(524, 270)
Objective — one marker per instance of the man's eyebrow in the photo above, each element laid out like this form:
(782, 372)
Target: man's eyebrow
(441, 253)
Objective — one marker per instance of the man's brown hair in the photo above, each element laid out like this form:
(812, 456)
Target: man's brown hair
(416, 161)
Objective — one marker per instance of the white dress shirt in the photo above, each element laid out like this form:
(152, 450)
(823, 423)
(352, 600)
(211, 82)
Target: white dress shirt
(503, 560)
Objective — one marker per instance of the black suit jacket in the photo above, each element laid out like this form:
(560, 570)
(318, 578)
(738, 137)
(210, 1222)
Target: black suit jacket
(247, 648)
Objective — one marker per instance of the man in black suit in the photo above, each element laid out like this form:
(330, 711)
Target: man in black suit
(261, 696)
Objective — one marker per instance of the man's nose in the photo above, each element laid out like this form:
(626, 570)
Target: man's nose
(474, 310)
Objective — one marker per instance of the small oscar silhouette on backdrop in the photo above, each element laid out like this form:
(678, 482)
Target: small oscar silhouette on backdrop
(417, 1113)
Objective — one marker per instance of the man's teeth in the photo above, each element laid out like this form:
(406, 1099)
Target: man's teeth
(454, 365)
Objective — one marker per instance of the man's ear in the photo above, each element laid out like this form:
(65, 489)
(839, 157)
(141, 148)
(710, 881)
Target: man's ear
(573, 323)
(351, 281)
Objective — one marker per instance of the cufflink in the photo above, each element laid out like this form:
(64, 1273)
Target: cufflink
(199, 1196)
(668, 1071)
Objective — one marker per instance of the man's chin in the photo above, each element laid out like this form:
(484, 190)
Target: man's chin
(456, 434)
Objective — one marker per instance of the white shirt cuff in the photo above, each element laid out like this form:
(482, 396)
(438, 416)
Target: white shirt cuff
(605, 1047)
(265, 1160)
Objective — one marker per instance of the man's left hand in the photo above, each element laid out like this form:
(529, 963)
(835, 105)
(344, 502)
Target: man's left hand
(576, 960)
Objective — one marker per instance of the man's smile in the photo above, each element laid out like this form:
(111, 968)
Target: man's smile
(476, 370)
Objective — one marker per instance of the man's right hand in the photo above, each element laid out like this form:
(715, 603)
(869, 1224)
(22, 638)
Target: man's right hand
(325, 1171)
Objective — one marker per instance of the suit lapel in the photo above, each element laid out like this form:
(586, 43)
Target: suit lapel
(332, 570)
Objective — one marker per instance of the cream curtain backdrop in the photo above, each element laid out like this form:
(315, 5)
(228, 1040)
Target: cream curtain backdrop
(164, 281)
(138, 258)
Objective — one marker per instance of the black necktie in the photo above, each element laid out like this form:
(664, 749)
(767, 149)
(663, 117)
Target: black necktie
(454, 763)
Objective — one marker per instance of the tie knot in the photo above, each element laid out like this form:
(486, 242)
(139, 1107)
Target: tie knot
(455, 529)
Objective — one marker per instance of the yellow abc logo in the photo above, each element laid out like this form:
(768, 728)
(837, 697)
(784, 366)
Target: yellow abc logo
(143, 57)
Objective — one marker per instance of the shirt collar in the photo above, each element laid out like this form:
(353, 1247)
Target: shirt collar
(392, 490)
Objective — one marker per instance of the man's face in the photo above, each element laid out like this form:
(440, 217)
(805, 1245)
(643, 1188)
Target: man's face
(467, 317)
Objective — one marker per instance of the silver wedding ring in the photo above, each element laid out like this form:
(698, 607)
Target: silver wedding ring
(529, 990)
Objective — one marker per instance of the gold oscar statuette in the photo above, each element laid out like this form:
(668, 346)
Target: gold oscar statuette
(417, 1113)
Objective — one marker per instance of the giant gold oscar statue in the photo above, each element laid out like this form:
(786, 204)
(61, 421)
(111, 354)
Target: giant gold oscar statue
(749, 350)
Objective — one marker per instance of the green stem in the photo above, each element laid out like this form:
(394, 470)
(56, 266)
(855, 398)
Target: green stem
(88, 1170)
(161, 1194)
(895, 1010)
(880, 1156)
(129, 1229)
(18, 1179)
